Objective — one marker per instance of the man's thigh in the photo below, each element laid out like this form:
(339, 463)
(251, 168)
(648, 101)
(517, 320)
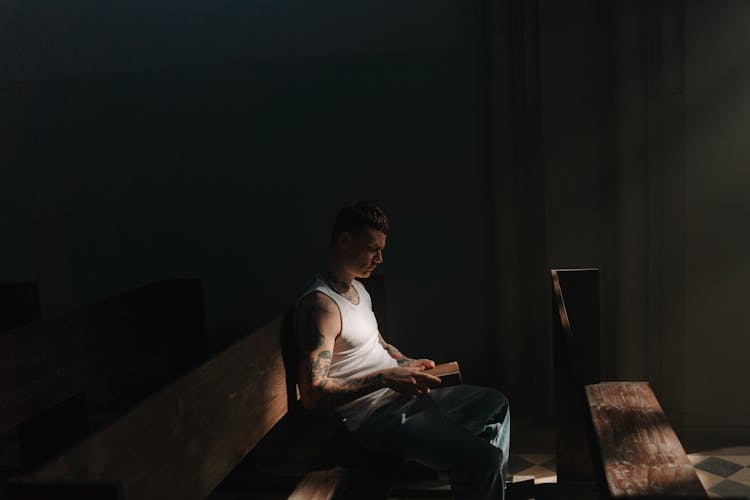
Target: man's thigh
(471, 407)
(438, 422)
(429, 437)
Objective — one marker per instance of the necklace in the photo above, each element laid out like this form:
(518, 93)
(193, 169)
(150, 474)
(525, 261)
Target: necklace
(346, 290)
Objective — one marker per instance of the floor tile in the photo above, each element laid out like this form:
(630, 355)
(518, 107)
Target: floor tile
(517, 478)
(718, 466)
(517, 463)
(737, 459)
(729, 488)
(707, 479)
(741, 476)
(541, 474)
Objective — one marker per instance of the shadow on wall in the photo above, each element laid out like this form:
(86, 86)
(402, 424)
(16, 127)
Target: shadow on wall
(233, 174)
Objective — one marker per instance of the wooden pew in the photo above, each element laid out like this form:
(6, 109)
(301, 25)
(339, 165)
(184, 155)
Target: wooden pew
(67, 374)
(180, 442)
(614, 435)
(19, 304)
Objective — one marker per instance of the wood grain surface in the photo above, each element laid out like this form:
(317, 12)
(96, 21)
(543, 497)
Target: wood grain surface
(640, 451)
(126, 345)
(183, 440)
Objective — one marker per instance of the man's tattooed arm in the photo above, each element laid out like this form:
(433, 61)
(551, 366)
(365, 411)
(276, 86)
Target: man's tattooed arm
(394, 353)
(333, 391)
(316, 334)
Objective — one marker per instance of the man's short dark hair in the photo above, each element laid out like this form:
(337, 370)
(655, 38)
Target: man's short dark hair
(357, 217)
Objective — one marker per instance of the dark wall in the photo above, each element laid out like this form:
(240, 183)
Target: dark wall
(48, 38)
(218, 140)
(643, 109)
(717, 182)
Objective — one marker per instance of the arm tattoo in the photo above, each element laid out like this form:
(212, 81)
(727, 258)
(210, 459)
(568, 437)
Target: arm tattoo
(312, 339)
(394, 353)
(320, 366)
(330, 391)
(336, 391)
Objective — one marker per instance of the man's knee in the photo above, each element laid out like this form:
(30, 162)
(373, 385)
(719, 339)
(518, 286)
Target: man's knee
(498, 401)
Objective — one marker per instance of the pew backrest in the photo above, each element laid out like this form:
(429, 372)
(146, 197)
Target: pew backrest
(614, 433)
(575, 312)
(182, 441)
(64, 374)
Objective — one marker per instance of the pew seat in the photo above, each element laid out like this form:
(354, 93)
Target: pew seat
(612, 435)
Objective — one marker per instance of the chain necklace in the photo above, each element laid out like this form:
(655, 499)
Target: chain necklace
(344, 289)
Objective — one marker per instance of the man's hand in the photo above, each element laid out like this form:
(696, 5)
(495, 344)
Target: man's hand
(427, 363)
(409, 380)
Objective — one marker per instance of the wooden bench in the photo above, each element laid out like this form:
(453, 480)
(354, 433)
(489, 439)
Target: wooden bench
(183, 440)
(71, 373)
(613, 438)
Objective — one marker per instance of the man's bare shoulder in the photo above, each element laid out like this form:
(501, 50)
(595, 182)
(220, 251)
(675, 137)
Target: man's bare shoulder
(318, 302)
(319, 311)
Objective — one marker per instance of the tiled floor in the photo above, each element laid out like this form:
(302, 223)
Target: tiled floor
(540, 466)
(724, 472)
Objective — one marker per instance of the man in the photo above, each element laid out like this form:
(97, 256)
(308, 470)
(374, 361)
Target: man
(384, 397)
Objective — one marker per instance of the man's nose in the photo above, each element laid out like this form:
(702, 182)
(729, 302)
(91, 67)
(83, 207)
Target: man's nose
(379, 257)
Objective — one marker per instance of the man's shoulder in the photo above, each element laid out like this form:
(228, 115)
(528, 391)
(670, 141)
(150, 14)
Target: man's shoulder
(318, 309)
(317, 301)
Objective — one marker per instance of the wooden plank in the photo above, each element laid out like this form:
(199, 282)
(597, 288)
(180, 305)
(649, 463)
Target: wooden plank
(120, 348)
(319, 484)
(575, 326)
(577, 300)
(19, 304)
(641, 453)
(346, 482)
(46, 434)
(182, 441)
(347, 470)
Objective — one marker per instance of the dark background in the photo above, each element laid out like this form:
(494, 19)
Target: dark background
(216, 139)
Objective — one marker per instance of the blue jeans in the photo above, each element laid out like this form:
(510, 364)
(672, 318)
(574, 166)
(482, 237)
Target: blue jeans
(464, 430)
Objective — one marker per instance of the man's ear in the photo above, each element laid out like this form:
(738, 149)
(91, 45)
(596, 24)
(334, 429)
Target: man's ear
(345, 240)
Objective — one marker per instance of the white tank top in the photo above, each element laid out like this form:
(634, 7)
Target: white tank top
(357, 350)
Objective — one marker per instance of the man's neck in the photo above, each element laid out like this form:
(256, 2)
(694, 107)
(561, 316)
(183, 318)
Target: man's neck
(341, 283)
(341, 280)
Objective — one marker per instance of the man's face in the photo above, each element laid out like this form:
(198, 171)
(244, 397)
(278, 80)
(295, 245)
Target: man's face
(362, 251)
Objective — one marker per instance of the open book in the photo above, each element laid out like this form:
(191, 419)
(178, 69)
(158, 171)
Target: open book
(449, 374)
